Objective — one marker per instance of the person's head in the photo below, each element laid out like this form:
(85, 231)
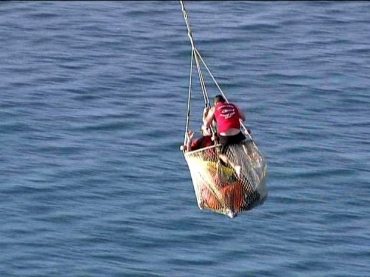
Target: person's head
(218, 98)
(205, 132)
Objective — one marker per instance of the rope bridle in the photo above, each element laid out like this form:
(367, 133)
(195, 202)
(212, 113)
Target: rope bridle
(195, 55)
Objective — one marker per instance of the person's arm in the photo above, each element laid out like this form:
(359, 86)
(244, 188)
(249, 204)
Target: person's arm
(241, 114)
(208, 119)
(189, 136)
(205, 113)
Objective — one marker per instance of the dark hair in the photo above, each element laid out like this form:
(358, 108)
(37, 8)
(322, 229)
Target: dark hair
(208, 130)
(218, 98)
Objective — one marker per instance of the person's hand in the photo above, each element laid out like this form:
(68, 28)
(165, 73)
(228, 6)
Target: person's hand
(248, 132)
(190, 134)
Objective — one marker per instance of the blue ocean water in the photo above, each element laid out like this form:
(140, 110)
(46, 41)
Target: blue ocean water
(93, 110)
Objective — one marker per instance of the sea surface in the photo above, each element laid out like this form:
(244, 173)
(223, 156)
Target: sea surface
(93, 105)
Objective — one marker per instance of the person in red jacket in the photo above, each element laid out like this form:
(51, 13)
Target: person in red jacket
(204, 140)
(194, 144)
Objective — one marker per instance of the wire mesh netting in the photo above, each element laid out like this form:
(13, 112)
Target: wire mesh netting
(234, 185)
